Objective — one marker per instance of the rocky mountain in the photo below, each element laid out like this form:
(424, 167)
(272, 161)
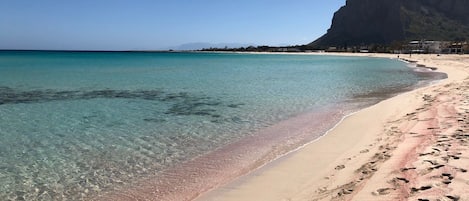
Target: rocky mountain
(365, 22)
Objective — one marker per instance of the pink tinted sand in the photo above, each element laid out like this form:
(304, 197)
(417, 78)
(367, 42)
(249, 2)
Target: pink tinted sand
(189, 180)
(410, 147)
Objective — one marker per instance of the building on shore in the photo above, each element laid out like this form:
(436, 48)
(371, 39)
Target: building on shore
(458, 48)
(426, 46)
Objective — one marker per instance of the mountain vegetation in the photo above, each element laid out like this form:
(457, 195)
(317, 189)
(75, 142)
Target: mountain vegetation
(387, 22)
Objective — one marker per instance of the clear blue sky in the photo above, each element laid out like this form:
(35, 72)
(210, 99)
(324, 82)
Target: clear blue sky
(157, 24)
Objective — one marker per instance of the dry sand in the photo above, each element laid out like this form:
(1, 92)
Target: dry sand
(414, 146)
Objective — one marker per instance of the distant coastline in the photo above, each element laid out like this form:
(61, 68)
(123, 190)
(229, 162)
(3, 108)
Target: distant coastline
(143, 51)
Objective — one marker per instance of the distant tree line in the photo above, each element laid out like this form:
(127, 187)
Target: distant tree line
(394, 47)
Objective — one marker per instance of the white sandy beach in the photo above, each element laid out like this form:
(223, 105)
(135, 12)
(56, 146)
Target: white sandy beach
(410, 147)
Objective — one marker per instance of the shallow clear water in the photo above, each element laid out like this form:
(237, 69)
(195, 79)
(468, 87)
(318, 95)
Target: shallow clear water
(74, 124)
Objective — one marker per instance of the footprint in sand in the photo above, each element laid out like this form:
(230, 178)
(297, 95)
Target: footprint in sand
(423, 188)
(454, 198)
(402, 179)
(382, 191)
(407, 169)
(364, 151)
(339, 167)
(462, 170)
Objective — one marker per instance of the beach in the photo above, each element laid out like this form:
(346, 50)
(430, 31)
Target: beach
(300, 126)
(414, 146)
(162, 126)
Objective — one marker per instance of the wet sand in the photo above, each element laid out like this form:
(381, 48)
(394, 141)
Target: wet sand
(189, 179)
(414, 146)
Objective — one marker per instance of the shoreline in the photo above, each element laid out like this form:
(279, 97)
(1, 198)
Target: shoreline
(350, 169)
(239, 158)
(151, 189)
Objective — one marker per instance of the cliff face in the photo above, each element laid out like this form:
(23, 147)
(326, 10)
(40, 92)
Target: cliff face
(363, 22)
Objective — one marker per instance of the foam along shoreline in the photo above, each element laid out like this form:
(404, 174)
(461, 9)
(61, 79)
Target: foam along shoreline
(409, 147)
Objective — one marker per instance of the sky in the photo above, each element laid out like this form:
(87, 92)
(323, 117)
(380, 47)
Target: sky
(160, 24)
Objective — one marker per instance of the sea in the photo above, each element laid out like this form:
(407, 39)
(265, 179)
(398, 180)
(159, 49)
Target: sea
(90, 125)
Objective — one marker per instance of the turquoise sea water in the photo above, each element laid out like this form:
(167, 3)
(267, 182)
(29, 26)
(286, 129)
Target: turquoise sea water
(77, 124)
